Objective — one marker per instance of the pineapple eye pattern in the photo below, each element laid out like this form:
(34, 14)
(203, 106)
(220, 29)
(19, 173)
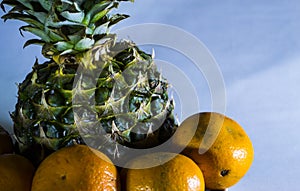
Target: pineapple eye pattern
(129, 109)
(98, 90)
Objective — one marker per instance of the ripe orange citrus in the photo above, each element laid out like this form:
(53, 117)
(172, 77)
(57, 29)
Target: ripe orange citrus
(76, 168)
(179, 173)
(16, 173)
(6, 144)
(220, 147)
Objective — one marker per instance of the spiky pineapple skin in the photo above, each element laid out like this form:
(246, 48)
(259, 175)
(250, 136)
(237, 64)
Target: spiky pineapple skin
(82, 95)
(123, 100)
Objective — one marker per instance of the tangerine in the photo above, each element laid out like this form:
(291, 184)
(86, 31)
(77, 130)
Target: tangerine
(76, 168)
(6, 143)
(16, 173)
(178, 173)
(219, 146)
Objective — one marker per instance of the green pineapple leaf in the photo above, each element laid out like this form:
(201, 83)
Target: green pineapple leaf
(17, 8)
(76, 23)
(26, 18)
(117, 18)
(99, 15)
(60, 24)
(84, 44)
(74, 38)
(26, 3)
(102, 29)
(54, 36)
(62, 46)
(33, 41)
(101, 7)
(35, 31)
(40, 16)
(46, 4)
(74, 17)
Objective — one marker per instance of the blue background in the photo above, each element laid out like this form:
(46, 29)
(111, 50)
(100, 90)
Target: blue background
(256, 44)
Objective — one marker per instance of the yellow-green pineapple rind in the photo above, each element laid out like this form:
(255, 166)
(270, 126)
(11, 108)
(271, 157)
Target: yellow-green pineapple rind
(124, 97)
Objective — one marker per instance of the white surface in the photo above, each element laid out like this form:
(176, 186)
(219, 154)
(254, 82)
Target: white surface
(256, 44)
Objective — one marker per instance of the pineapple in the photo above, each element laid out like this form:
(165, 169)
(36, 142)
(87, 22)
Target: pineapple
(93, 89)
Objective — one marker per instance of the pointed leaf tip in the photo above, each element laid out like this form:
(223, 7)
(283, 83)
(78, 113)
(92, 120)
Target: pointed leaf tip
(2, 7)
(33, 41)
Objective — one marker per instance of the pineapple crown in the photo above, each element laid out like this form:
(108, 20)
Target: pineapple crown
(64, 26)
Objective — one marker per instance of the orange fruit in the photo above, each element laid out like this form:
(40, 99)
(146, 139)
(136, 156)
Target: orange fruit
(16, 173)
(76, 168)
(220, 147)
(6, 143)
(178, 173)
